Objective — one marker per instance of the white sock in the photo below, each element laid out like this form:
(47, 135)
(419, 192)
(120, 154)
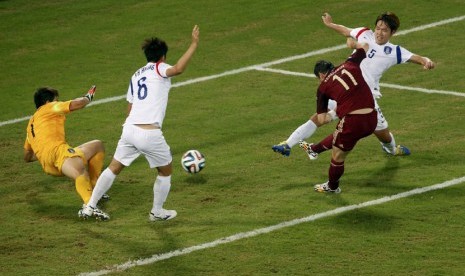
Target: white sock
(104, 183)
(161, 189)
(392, 145)
(302, 132)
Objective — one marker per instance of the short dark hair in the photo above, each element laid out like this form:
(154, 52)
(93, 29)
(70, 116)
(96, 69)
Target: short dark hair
(322, 66)
(154, 49)
(44, 95)
(390, 19)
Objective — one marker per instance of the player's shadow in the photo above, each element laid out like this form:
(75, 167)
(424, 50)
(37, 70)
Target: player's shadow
(196, 179)
(365, 220)
(383, 177)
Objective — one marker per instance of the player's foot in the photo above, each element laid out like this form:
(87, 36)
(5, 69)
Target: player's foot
(282, 148)
(308, 150)
(398, 151)
(402, 150)
(324, 188)
(163, 215)
(386, 149)
(105, 197)
(87, 211)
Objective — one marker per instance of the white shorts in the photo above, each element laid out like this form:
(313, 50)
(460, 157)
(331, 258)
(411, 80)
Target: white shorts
(382, 122)
(135, 141)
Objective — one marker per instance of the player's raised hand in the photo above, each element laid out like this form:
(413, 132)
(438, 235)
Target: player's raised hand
(195, 34)
(327, 19)
(90, 93)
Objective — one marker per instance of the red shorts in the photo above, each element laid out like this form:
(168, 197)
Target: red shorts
(352, 128)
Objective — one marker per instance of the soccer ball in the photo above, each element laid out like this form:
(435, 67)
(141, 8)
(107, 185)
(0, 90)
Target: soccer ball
(193, 161)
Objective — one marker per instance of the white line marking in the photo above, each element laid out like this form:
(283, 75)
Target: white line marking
(395, 86)
(267, 64)
(14, 121)
(286, 72)
(419, 89)
(253, 233)
(432, 25)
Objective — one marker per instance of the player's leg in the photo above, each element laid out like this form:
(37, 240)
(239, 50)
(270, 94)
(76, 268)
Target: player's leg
(346, 137)
(152, 144)
(158, 155)
(94, 152)
(336, 169)
(73, 167)
(124, 155)
(335, 172)
(386, 138)
(105, 181)
(303, 132)
(126, 152)
(313, 150)
(161, 189)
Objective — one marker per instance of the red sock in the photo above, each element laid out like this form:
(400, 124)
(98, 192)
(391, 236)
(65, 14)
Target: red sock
(323, 145)
(336, 170)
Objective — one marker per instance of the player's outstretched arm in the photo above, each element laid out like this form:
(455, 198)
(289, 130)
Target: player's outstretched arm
(426, 62)
(181, 65)
(81, 102)
(328, 21)
(353, 44)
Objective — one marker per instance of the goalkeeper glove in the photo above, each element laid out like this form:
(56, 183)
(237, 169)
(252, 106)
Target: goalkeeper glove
(90, 93)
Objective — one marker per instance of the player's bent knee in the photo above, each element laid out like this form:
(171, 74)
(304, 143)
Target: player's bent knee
(73, 167)
(165, 170)
(116, 167)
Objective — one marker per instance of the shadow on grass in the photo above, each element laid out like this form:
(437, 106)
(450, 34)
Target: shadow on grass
(195, 179)
(384, 175)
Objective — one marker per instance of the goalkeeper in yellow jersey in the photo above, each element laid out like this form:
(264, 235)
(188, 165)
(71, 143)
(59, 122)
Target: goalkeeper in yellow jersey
(45, 142)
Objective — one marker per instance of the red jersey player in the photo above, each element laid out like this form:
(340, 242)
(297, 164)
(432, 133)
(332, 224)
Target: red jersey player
(355, 108)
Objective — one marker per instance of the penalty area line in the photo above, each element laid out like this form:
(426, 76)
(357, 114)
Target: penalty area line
(266, 64)
(389, 85)
(260, 231)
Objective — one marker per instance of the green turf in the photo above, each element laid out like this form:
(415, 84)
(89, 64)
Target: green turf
(233, 120)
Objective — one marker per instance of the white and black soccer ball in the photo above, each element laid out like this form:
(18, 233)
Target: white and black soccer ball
(193, 161)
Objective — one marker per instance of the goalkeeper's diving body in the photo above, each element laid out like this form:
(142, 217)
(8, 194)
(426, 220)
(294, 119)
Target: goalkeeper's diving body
(46, 143)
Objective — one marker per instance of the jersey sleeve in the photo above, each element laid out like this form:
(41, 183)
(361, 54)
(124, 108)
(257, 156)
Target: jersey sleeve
(357, 56)
(321, 102)
(130, 93)
(357, 32)
(404, 54)
(161, 68)
(61, 107)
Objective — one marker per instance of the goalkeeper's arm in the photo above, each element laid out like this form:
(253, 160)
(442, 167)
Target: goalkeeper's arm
(81, 102)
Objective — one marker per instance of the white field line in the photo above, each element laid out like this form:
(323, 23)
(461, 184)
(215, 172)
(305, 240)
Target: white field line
(265, 230)
(267, 64)
(395, 86)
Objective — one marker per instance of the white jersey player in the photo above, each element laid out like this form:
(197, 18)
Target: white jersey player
(148, 94)
(380, 57)
(148, 98)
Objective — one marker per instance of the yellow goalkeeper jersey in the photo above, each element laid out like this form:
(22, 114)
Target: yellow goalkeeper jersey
(46, 130)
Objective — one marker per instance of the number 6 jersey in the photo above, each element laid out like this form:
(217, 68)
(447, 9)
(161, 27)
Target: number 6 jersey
(148, 93)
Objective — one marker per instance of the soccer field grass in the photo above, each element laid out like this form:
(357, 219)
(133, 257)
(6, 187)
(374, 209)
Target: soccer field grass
(247, 87)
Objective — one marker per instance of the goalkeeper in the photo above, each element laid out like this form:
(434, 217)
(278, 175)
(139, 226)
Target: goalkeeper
(46, 143)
